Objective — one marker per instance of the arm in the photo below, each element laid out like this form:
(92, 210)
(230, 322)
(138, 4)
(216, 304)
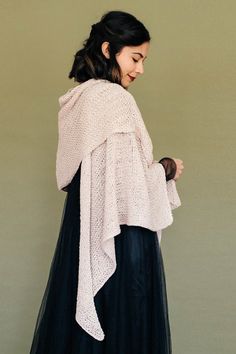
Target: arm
(170, 168)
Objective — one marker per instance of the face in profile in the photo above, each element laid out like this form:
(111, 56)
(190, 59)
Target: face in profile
(131, 61)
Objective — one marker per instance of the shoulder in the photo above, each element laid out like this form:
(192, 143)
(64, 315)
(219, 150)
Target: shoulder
(105, 99)
(106, 92)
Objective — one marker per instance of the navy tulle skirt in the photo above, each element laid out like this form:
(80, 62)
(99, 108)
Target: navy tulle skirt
(131, 306)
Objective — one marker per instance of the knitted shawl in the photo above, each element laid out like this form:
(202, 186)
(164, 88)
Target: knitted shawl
(101, 128)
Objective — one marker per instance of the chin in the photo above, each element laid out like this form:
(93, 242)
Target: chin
(125, 84)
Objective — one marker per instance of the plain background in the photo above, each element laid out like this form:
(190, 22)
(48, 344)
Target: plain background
(187, 98)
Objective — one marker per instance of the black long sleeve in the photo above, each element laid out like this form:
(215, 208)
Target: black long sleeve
(170, 167)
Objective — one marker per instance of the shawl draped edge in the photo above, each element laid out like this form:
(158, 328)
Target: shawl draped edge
(101, 127)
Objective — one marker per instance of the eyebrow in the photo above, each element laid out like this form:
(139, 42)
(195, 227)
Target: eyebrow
(139, 54)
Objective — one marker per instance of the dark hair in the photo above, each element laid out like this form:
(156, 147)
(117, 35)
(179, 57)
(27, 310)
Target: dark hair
(120, 29)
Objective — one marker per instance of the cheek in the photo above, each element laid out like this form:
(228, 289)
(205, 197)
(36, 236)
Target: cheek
(130, 66)
(127, 65)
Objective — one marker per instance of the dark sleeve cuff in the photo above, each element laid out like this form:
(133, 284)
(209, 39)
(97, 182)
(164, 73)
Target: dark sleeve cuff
(170, 167)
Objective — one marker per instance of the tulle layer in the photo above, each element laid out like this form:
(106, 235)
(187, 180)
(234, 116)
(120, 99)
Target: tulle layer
(132, 305)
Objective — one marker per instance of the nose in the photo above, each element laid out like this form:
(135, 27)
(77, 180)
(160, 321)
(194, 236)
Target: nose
(140, 67)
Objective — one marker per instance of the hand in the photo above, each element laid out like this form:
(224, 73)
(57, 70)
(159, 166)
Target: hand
(180, 167)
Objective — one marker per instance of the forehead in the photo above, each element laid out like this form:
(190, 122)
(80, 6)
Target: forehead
(140, 50)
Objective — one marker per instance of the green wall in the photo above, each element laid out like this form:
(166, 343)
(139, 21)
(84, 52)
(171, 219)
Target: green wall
(187, 97)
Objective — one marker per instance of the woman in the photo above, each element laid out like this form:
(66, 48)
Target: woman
(106, 291)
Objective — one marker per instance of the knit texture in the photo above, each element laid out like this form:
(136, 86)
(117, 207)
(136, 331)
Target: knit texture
(101, 127)
(90, 112)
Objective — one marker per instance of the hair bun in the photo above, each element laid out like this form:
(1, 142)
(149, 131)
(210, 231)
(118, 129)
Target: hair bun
(97, 27)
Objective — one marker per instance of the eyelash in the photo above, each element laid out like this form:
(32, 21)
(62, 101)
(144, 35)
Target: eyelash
(135, 60)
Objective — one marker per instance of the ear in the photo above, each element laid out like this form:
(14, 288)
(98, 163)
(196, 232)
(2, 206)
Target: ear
(105, 49)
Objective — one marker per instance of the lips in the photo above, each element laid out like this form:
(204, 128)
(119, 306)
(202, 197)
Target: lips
(131, 77)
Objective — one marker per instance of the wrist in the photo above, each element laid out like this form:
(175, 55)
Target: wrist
(170, 167)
